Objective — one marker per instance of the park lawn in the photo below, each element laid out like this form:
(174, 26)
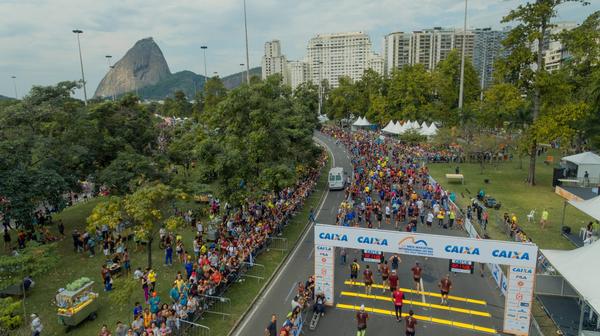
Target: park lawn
(72, 266)
(507, 185)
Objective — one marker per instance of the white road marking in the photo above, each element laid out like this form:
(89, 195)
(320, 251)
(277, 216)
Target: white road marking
(248, 317)
(422, 291)
(290, 293)
(312, 251)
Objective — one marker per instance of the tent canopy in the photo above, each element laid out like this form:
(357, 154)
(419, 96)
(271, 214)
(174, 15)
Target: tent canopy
(389, 128)
(361, 121)
(590, 207)
(587, 161)
(569, 265)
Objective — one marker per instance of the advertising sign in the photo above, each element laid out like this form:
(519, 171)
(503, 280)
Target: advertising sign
(461, 266)
(372, 256)
(428, 245)
(519, 296)
(325, 272)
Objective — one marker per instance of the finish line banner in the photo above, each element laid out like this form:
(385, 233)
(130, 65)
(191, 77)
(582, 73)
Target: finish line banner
(428, 245)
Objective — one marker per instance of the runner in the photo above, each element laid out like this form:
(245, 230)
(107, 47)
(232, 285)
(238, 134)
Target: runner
(361, 321)
(429, 219)
(395, 261)
(368, 278)
(354, 267)
(393, 280)
(445, 286)
(411, 324)
(385, 273)
(398, 298)
(388, 214)
(416, 270)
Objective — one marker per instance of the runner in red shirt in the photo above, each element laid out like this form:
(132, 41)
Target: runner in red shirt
(416, 270)
(393, 281)
(385, 273)
(368, 277)
(361, 321)
(445, 286)
(398, 298)
(411, 324)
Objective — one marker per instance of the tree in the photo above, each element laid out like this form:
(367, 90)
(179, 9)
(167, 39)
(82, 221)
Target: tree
(146, 209)
(340, 101)
(214, 93)
(127, 171)
(501, 103)
(409, 90)
(534, 20)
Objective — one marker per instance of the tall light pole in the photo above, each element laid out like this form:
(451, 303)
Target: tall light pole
(483, 68)
(247, 57)
(461, 92)
(205, 73)
(108, 57)
(77, 32)
(14, 80)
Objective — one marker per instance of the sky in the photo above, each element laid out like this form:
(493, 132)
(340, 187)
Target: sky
(38, 47)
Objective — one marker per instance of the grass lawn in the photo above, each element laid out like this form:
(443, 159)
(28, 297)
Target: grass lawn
(72, 266)
(508, 187)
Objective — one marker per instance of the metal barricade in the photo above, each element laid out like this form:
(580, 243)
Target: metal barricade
(277, 244)
(188, 328)
(253, 270)
(216, 305)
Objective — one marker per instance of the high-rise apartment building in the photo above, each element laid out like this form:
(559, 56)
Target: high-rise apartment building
(298, 73)
(554, 52)
(427, 47)
(487, 49)
(331, 56)
(273, 61)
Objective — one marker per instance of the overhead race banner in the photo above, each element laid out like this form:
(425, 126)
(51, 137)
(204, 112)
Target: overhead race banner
(518, 301)
(428, 245)
(325, 272)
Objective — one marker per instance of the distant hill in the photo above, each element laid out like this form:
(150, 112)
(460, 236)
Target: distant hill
(5, 98)
(185, 81)
(235, 80)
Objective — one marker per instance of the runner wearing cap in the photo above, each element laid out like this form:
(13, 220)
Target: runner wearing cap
(393, 281)
(361, 321)
(416, 270)
(354, 267)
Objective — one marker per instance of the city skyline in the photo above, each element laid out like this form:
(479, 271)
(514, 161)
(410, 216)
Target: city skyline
(41, 50)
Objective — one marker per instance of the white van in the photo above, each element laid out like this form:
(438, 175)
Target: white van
(337, 179)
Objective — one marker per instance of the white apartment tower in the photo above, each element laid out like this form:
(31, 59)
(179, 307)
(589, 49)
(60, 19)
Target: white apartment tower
(273, 61)
(342, 54)
(427, 47)
(298, 73)
(554, 52)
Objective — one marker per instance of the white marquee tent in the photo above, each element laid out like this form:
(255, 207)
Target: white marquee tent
(591, 207)
(583, 162)
(389, 128)
(569, 264)
(361, 122)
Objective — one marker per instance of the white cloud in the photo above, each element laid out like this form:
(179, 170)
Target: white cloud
(39, 48)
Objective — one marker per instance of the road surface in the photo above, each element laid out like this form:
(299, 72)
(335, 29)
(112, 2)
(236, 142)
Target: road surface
(476, 309)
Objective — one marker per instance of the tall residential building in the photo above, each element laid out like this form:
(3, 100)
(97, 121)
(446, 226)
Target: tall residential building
(427, 47)
(554, 52)
(487, 49)
(273, 61)
(333, 55)
(298, 73)
(375, 62)
(396, 51)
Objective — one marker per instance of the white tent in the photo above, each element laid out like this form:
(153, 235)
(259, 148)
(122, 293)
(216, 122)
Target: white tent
(323, 118)
(583, 162)
(424, 125)
(389, 128)
(570, 265)
(590, 207)
(416, 125)
(397, 124)
(361, 122)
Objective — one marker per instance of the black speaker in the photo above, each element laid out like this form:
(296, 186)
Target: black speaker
(566, 229)
(557, 174)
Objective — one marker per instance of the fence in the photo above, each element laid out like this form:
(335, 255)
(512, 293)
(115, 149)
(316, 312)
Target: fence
(257, 270)
(188, 328)
(216, 305)
(277, 244)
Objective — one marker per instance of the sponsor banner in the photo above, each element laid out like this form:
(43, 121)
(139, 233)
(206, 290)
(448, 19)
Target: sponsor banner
(428, 245)
(461, 266)
(499, 277)
(372, 256)
(519, 297)
(325, 272)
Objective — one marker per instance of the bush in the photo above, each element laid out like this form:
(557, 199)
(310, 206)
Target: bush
(9, 314)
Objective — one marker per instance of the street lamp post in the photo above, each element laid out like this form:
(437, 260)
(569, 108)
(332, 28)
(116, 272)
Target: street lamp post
(77, 32)
(462, 64)
(14, 80)
(247, 57)
(108, 57)
(205, 73)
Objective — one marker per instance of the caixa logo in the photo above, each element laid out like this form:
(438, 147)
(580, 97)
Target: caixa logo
(510, 254)
(461, 249)
(372, 240)
(333, 236)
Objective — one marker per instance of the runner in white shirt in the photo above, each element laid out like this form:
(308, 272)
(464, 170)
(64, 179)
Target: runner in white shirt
(388, 214)
(429, 219)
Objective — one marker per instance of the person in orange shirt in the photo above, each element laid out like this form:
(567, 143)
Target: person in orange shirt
(147, 318)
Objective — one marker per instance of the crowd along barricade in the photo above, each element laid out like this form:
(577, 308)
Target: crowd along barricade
(257, 271)
(218, 305)
(188, 328)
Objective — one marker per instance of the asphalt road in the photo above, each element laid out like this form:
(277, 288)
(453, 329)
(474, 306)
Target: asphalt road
(456, 319)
